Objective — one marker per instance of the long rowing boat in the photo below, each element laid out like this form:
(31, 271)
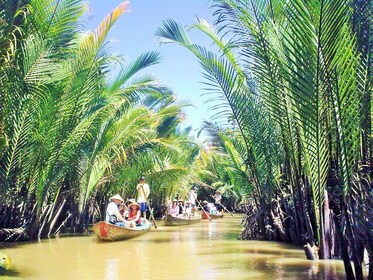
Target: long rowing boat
(180, 221)
(212, 216)
(109, 232)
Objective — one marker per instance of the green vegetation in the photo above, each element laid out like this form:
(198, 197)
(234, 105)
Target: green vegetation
(292, 146)
(294, 80)
(70, 136)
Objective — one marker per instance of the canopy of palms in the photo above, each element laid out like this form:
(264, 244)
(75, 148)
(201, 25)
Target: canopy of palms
(292, 78)
(71, 136)
(290, 82)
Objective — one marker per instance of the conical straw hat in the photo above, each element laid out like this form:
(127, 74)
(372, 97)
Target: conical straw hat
(117, 196)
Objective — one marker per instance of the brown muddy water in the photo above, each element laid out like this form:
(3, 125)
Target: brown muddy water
(207, 250)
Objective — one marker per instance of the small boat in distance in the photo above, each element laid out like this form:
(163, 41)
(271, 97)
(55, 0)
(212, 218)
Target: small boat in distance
(212, 216)
(180, 221)
(109, 232)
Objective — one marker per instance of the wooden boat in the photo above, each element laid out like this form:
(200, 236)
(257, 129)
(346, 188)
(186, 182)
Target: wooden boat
(109, 232)
(180, 221)
(212, 216)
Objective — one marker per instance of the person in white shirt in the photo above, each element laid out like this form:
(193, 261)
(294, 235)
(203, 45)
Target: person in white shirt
(174, 209)
(143, 191)
(212, 208)
(192, 197)
(187, 209)
(217, 198)
(112, 210)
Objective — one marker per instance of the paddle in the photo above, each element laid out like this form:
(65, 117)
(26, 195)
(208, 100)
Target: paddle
(150, 209)
(208, 216)
(223, 207)
(151, 214)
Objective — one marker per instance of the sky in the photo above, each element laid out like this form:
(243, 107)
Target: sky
(133, 34)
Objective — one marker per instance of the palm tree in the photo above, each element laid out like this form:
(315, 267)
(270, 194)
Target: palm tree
(69, 132)
(294, 94)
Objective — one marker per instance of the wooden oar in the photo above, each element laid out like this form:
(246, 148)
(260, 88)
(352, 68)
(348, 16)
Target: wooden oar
(225, 209)
(150, 209)
(151, 214)
(208, 216)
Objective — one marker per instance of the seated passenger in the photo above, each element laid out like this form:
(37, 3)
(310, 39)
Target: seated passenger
(129, 201)
(123, 210)
(174, 209)
(212, 209)
(134, 215)
(206, 206)
(187, 209)
(113, 215)
(181, 206)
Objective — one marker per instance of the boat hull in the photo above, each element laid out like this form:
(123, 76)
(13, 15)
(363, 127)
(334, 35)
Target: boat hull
(109, 232)
(212, 216)
(175, 221)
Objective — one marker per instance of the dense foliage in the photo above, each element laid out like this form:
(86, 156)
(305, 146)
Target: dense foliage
(293, 79)
(70, 136)
(290, 82)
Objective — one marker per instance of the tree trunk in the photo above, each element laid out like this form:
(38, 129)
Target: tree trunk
(306, 215)
(355, 243)
(310, 254)
(369, 247)
(278, 225)
(335, 242)
(358, 269)
(56, 217)
(62, 224)
(358, 259)
(325, 250)
(290, 223)
(299, 208)
(344, 250)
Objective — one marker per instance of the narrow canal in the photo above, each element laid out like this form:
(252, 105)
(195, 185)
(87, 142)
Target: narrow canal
(207, 250)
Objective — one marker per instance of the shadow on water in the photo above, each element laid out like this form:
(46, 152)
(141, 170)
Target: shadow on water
(207, 250)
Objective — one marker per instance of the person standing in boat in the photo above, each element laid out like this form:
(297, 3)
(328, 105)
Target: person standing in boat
(113, 215)
(134, 215)
(217, 198)
(192, 197)
(143, 191)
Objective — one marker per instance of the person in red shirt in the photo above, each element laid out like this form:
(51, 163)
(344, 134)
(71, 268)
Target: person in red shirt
(134, 214)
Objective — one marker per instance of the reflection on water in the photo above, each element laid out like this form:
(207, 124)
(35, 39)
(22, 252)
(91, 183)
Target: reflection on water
(207, 250)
